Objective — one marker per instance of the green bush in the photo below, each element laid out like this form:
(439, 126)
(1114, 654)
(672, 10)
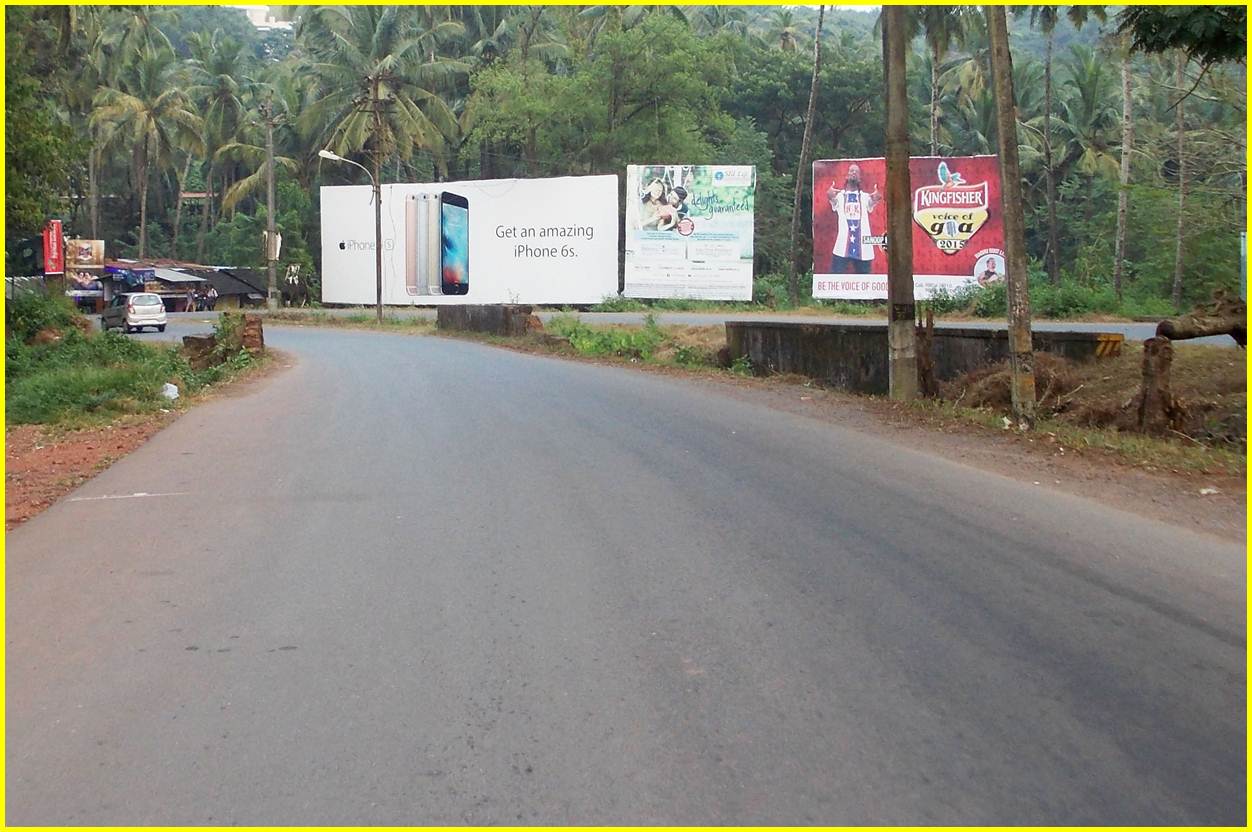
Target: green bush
(102, 374)
(990, 301)
(29, 312)
(633, 343)
(88, 375)
(617, 303)
(1069, 299)
(944, 302)
(689, 356)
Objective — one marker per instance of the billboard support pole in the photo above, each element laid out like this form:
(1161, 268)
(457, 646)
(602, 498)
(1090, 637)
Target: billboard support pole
(1021, 355)
(901, 328)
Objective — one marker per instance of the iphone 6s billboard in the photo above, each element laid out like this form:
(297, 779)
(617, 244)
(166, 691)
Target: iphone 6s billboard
(488, 241)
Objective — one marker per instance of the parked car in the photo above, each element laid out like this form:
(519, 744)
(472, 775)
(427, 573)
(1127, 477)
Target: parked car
(133, 311)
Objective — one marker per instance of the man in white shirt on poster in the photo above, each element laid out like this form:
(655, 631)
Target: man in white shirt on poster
(853, 207)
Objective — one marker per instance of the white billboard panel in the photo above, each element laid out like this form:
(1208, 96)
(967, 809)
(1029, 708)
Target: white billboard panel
(537, 241)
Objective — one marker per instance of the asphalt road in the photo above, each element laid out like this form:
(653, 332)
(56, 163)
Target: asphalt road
(422, 581)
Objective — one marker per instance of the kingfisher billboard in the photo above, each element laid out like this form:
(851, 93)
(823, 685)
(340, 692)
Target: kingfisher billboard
(958, 227)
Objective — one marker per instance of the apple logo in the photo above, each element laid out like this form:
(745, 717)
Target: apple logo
(342, 245)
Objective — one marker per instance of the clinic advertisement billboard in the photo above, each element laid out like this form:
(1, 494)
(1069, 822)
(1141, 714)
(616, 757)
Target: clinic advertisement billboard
(958, 228)
(689, 231)
(536, 241)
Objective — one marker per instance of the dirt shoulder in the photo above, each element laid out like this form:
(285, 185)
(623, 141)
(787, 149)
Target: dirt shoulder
(43, 463)
(1213, 503)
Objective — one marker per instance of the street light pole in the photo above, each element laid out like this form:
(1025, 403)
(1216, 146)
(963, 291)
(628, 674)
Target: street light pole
(272, 294)
(378, 228)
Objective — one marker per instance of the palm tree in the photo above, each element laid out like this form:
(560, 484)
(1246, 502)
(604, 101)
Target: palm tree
(783, 31)
(1087, 116)
(149, 112)
(80, 91)
(793, 287)
(1180, 67)
(942, 26)
(380, 81)
(218, 82)
(970, 74)
(1021, 357)
(251, 150)
(1046, 17)
(901, 334)
(1123, 183)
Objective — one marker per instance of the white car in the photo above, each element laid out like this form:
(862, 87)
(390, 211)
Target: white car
(134, 311)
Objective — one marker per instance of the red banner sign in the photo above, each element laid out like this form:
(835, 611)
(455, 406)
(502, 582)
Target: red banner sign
(53, 248)
(958, 230)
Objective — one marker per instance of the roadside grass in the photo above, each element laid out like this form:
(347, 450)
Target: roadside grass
(352, 320)
(71, 376)
(1151, 453)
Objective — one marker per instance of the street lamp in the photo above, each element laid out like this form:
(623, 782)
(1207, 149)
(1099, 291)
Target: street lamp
(378, 226)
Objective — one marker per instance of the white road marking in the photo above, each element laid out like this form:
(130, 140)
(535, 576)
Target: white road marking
(129, 496)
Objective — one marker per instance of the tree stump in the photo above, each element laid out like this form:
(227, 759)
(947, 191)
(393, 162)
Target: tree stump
(926, 383)
(199, 349)
(253, 334)
(1158, 410)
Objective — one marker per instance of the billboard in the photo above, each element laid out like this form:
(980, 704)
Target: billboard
(502, 241)
(53, 248)
(689, 231)
(958, 228)
(84, 254)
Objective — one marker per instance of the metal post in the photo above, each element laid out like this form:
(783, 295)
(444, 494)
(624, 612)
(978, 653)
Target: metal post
(378, 246)
(272, 295)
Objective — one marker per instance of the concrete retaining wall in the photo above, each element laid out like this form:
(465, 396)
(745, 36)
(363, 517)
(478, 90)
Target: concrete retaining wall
(497, 319)
(854, 356)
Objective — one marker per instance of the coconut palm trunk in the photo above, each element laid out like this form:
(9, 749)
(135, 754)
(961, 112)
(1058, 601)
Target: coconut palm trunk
(178, 208)
(142, 166)
(206, 206)
(1176, 294)
(1053, 260)
(1021, 356)
(793, 280)
(1128, 137)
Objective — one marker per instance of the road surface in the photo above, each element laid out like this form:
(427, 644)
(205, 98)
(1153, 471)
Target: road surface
(414, 580)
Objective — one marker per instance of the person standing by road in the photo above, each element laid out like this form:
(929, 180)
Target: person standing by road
(190, 304)
(212, 297)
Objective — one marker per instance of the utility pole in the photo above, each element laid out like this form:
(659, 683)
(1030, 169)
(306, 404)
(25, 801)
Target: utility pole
(1021, 354)
(378, 197)
(901, 326)
(272, 295)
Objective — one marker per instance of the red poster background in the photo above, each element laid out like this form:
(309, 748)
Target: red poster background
(53, 248)
(928, 260)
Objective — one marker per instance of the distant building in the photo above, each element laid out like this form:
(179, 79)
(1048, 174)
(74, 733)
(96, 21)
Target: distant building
(263, 19)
